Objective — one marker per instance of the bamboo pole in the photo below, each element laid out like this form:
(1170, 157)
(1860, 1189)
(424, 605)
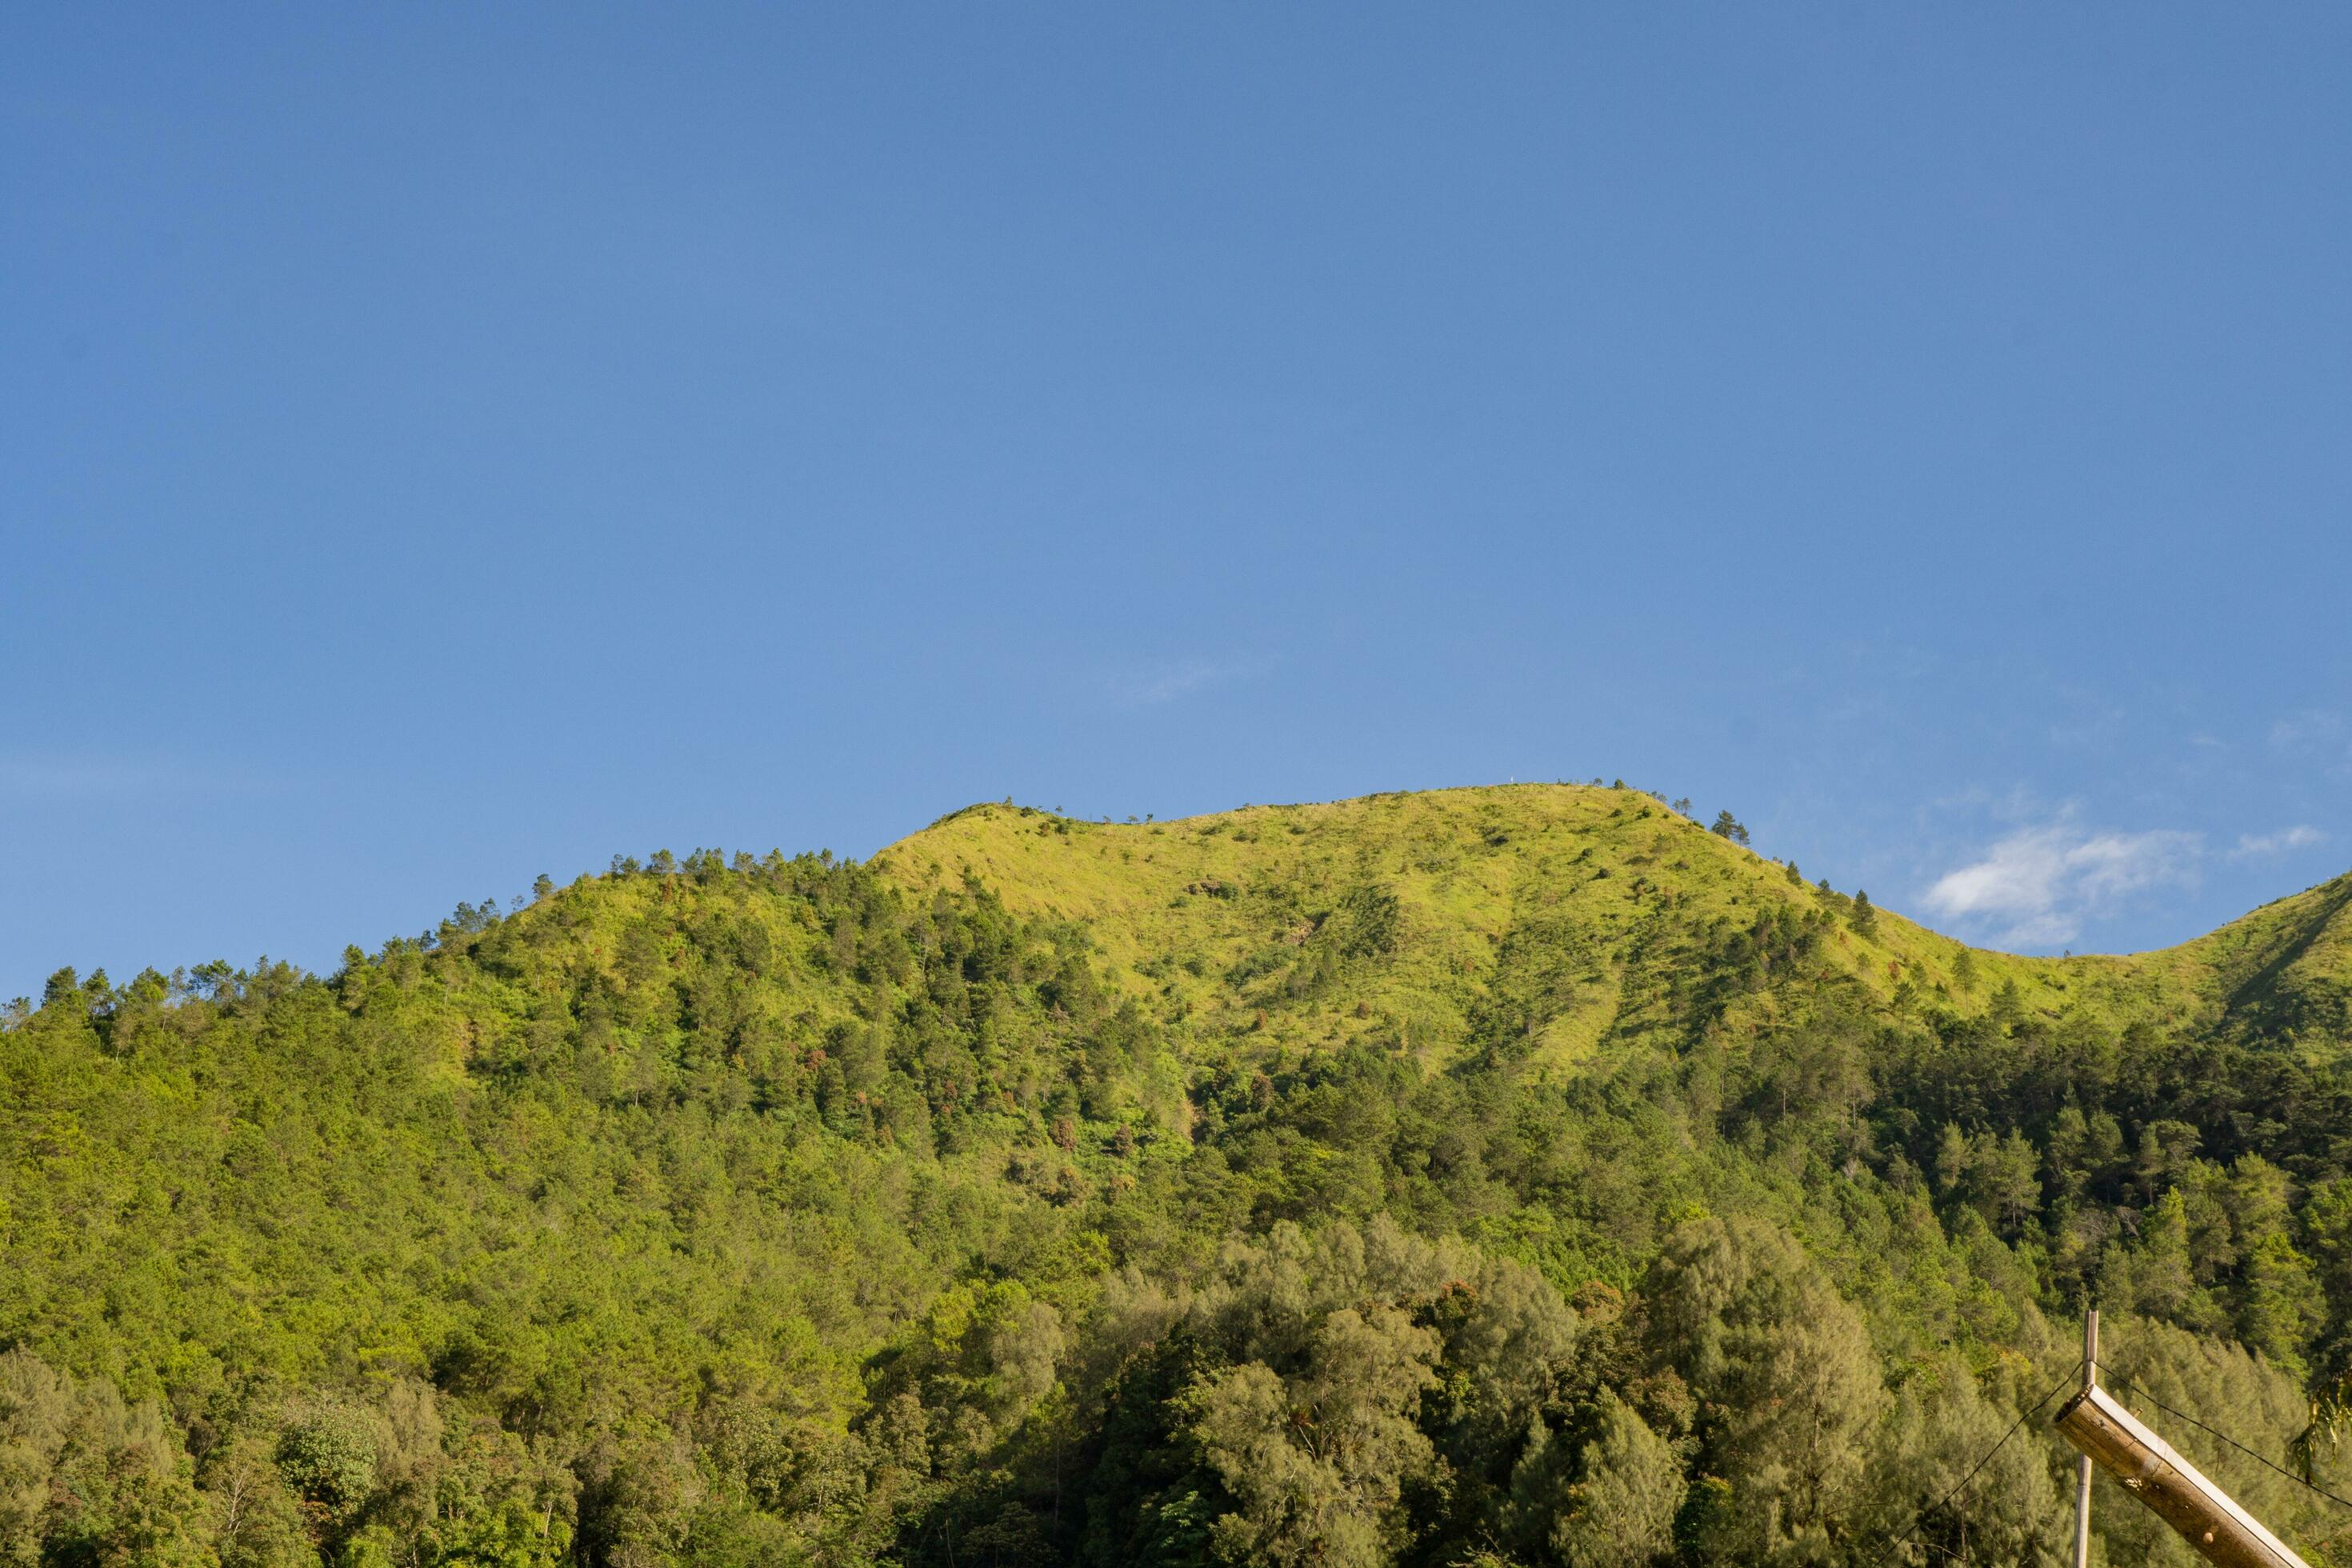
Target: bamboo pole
(2207, 1518)
(2083, 1464)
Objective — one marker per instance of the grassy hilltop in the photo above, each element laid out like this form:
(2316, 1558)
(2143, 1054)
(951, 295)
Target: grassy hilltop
(1226, 914)
(1516, 1175)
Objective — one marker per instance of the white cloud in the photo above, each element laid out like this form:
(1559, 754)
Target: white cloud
(2037, 885)
(2301, 837)
(1148, 685)
(2311, 727)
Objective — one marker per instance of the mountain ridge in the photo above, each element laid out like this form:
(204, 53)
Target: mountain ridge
(1038, 862)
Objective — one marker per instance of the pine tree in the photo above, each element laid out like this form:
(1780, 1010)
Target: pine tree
(1622, 1514)
(1864, 918)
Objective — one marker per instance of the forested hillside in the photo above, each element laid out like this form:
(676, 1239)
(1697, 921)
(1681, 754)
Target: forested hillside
(1513, 1176)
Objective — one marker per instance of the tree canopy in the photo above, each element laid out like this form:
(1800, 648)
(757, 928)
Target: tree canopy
(1507, 1177)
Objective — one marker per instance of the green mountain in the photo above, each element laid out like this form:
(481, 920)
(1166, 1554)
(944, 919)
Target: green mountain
(1506, 1175)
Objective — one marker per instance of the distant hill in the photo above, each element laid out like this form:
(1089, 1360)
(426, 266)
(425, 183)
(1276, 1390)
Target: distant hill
(1510, 1176)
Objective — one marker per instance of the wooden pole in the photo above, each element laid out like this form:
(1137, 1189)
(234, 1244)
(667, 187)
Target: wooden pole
(2083, 1465)
(2207, 1518)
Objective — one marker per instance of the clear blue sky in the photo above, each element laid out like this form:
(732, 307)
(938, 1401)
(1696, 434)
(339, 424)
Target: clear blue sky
(444, 444)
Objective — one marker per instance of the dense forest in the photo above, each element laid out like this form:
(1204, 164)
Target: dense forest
(1516, 1176)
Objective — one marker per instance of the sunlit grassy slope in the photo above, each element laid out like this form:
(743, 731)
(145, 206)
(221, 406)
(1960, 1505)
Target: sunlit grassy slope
(2285, 969)
(1585, 894)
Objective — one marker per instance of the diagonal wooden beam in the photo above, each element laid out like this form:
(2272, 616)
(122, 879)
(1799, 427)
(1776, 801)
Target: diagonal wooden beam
(2207, 1518)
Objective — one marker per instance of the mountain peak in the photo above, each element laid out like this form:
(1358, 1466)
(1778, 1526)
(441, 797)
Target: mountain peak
(1224, 915)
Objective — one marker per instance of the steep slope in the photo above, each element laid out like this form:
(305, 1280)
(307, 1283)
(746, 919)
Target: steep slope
(2285, 970)
(1232, 916)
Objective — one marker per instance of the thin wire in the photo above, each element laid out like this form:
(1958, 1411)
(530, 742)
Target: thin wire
(1922, 1516)
(2182, 1414)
